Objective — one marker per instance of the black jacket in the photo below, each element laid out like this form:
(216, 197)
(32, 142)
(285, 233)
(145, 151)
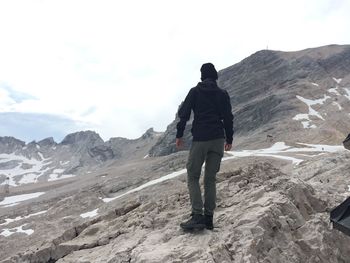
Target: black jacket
(212, 113)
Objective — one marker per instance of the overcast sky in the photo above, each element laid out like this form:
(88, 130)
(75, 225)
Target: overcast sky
(121, 67)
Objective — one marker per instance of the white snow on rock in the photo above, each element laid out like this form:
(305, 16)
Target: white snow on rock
(335, 91)
(305, 120)
(347, 90)
(315, 84)
(338, 105)
(28, 178)
(56, 176)
(89, 214)
(42, 156)
(310, 103)
(146, 156)
(152, 182)
(64, 163)
(16, 199)
(281, 148)
(337, 80)
(305, 117)
(318, 148)
(29, 175)
(10, 231)
(18, 218)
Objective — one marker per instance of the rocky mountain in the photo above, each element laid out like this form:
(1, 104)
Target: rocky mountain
(275, 190)
(281, 96)
(77, 154)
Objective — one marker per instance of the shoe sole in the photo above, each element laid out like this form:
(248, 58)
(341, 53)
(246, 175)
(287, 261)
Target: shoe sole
(195, 227)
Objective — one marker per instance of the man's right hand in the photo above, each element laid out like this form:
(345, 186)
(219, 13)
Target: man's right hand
(179, 143)
(228, 147)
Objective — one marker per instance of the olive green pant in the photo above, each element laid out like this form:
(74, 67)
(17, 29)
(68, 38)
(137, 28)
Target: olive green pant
(211, 153)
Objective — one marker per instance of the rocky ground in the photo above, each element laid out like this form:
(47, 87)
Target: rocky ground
(268, 211)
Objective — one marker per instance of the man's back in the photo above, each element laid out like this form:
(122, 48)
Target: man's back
(212, 112)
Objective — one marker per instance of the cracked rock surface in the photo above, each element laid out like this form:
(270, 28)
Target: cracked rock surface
(266, 212)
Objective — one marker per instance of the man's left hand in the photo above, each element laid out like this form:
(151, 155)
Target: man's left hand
(179, 143)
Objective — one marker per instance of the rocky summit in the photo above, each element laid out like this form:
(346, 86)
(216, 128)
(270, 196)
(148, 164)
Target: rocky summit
(85, 200)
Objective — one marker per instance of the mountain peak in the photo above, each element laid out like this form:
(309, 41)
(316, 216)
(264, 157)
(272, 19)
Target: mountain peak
(149, 133)
(47, 142)
(11, 140)
(82, 137)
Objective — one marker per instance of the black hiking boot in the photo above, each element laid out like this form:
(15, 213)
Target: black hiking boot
(208, 221)
(196, 222)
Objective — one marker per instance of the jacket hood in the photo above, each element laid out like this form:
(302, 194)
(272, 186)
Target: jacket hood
(207, 84)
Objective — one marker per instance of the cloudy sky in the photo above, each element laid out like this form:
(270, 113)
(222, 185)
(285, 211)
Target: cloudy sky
(121, 67)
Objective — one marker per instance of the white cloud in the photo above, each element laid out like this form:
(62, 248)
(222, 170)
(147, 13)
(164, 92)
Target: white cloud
(132, 62)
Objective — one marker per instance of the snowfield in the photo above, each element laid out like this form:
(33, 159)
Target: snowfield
(16, 199)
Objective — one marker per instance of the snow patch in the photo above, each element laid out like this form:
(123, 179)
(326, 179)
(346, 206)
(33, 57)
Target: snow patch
(315, 84)
(337, 80)
(310, 103)
(347, 90)
(64, 163)
(89, 214)
(337, 104)
(146, 156)
(28, 178)
(152, 182)
(335, 91)
(305, 117)
(25, 175)
(55, 176)
(41, 156)
(16, 199)
(10, 231)
(9, 220)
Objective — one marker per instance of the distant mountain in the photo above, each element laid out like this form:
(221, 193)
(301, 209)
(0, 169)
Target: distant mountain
(78, 153)
(301, 96)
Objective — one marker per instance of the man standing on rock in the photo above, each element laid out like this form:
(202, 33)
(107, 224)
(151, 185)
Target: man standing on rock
(212, 125)
(7, 186)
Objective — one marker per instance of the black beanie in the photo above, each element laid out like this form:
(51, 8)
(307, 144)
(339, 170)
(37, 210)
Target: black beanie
(208, 71)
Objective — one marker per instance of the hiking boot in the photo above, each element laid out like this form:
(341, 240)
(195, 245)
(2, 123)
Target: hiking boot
(196, 221)
(208, 221)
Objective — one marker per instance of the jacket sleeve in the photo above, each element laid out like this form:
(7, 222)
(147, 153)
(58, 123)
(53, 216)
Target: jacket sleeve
(228, 118)
(184, 113)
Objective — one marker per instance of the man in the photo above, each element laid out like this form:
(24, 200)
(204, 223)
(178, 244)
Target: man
(7, 186)
(212, 125)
